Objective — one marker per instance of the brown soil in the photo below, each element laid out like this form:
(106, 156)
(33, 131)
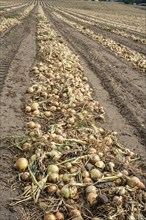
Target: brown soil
(11, 114)
(118, 87)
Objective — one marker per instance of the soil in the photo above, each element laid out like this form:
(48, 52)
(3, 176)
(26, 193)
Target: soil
(20, 51)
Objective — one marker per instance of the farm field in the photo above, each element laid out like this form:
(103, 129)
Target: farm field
(72, 117)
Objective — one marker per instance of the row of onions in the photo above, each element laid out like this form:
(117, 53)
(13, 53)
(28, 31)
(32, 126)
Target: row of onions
(69, 167)
(6, 23)
(137, 59)
(103, 25)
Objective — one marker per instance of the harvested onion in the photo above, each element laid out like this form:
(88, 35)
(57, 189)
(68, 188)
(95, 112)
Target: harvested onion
(22, 164)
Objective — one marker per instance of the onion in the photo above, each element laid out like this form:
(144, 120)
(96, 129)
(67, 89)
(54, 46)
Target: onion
(52, 189)
(30, 90)
(134, 181)
(71, 120)
(36, 113)
(118, 200)
(25, 176)
(47, 114)
(56, 155)
(53, 169)
(92, 198)
(59, 139)
(65, 192)
(53, 177)
(68, 165)
(92, 150)
(28, 109)
(91, 189)
(53, 108)
(85, 173)
(34, 106)
(22, 164)
(49, 216)
(100, 164)
(31, 125)
(95, 174)
(108, 141)
(66, 178)
(95, 158)
(59, 216)
(26, 146)
(87, 180)
(75, 213)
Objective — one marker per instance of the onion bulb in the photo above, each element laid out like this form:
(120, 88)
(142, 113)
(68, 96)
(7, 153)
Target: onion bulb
(91, 189)
(25, 176)
(65, 192)
(52, 189)
(22, 164)
(134, 181)
(95, 174)
(49, 216)
(92, 198)
(34, 106)
(59, 216)
(53, 177)
(31, 125)
(74, 213)
(53, 169)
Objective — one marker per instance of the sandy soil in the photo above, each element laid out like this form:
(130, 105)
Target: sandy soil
(22, 53)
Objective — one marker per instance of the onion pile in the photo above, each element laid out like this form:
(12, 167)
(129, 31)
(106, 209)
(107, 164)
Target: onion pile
(5, 23)
(73, 169)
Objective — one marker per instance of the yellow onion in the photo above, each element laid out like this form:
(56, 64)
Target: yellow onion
(100, 164)
(34, 106)
(30, 90)
(52, 189)
(95, 174)
(56, 155)
(26, 146)
(135, 181)
(25, 176)
(118, 200)
(95, 158)
(22, 164)
(92, 150)
(87, 180)
(66, 178)
(92, 198)
(53, 108)
(91, 189)
(53, 177)
(59, 216)
(74, 213)
(65, 192)
(49, 216)
(68, 165)
(53, 169)
(85, 173)
(47, 114)
(31, 125)
(28, 109)
(36, 113)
